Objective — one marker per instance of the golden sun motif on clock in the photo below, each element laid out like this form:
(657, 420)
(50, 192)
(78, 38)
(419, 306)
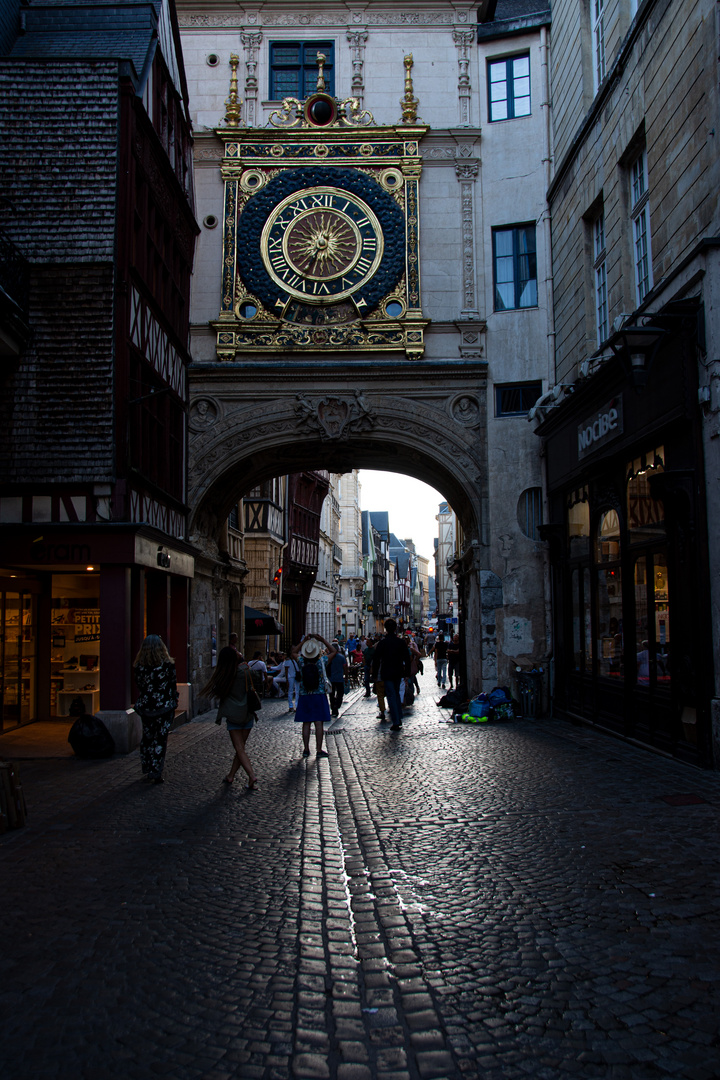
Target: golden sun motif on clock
(322, 244)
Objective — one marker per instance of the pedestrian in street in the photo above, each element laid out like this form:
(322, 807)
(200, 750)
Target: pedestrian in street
(453, 659)
(367, 663)
(415, 665)
(337, 670)
(379, 689)
(156, 679)
(392, 664)
(229, 682)
(440, 653)
(313, 708)
(291, 674)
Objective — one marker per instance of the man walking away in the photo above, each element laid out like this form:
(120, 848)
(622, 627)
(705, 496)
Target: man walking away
(368, 657)
(441, 648)
(337, 673)
(391, 663)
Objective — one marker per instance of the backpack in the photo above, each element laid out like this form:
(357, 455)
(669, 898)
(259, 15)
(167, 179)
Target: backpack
(258, 679)
(310, 676)
(90, 738)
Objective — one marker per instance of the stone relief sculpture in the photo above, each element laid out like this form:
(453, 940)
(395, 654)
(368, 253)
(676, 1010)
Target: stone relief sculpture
(334, 417)
(203, 414)
(465, 410)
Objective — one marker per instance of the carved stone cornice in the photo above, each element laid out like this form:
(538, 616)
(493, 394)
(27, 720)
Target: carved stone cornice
(195, 16)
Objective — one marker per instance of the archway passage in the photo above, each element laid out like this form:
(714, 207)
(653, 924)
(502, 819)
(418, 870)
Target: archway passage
(250, 423)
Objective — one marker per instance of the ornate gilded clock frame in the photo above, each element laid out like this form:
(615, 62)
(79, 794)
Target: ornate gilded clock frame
(347, 143)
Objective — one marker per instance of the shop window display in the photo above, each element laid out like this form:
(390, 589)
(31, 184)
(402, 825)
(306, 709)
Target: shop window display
(609, 628)
(17, 658)
(75, 655)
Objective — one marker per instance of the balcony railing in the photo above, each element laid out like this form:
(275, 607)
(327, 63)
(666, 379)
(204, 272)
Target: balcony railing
(352, 572)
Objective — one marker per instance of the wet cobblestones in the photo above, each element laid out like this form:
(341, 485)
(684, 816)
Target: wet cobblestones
(501, 902)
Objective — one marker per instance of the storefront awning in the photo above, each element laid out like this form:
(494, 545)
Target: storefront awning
(258, 623)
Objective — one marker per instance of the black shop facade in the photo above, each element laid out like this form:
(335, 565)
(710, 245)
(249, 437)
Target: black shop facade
(628, 546)
(75, 605)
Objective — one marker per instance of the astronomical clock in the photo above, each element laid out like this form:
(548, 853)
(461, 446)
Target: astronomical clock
(320, 229)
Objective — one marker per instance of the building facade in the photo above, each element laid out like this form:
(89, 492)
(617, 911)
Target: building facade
(96, 194)
(457, 293)
(322, 613)
(629, 431)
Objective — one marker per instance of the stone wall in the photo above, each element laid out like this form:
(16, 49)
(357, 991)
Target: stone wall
(669, 91)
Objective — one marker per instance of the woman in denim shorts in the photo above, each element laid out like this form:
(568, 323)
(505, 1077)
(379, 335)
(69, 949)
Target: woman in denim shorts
(229, 682)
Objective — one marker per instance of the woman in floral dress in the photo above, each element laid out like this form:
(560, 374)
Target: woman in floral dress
(157, 682)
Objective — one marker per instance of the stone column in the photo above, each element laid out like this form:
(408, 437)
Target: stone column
(358, 40)
(464, 41)
(251, 43)
(467, 173)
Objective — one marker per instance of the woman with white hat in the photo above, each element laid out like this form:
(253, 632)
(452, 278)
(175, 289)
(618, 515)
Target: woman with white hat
(313, 705)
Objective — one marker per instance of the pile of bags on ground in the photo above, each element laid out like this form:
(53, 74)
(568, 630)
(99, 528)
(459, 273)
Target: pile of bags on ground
(496, 706)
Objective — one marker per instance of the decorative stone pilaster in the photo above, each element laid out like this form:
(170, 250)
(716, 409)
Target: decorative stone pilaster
(464, 40)
(467, 173)
(358, 40)
(251, 44)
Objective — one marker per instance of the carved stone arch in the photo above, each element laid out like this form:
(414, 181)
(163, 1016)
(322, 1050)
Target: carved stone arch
(269, 420)
(338, 430)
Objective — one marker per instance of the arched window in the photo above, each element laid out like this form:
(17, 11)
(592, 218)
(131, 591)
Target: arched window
(529, 512)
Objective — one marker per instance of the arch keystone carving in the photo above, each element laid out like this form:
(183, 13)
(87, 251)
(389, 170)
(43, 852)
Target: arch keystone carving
(334, 417)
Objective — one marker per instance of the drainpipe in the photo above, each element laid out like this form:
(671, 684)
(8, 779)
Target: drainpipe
(549, 299)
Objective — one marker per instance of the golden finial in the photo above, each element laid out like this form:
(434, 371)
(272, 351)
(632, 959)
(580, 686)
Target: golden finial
(409, 103)
(321, 58)
(233, 105)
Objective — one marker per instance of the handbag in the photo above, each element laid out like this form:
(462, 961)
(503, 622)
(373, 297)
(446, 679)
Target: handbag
(253, 698)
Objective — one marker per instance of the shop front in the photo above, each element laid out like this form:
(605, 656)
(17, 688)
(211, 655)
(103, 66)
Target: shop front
(628, 542)
(74, 609)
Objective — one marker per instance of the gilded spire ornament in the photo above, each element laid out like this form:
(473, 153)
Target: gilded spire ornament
(233, 105)
(321, 58)
(409, 104)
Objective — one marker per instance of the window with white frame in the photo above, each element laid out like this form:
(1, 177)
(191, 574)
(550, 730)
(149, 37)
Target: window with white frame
(640, 213)
(599, 267)
(515, 267)
(597, 8)
(509, 87)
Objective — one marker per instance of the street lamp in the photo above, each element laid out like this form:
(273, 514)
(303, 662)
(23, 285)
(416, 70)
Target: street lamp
(636, 347)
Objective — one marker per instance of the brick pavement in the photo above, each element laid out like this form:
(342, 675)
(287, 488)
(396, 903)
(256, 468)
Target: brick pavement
(502, 902)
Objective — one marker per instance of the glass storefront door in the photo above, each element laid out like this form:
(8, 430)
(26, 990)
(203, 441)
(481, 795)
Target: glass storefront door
(18, 658)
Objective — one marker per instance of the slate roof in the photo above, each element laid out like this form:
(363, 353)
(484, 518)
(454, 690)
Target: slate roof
(365, 526)
(507, 17)
(100, 30)
(381, 521)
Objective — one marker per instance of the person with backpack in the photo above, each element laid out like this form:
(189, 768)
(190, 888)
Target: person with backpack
(313, 705)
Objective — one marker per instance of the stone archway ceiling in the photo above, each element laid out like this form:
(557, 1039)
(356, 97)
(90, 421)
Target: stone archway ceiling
(270, 421)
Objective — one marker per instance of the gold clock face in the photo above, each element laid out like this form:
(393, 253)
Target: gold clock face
(322, 245)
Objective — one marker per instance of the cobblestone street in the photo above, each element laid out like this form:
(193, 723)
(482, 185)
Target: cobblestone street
(520, 900)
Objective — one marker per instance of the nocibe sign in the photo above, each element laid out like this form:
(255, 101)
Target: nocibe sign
(600, 428)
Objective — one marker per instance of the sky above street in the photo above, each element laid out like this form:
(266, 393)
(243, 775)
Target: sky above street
(411, 504)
